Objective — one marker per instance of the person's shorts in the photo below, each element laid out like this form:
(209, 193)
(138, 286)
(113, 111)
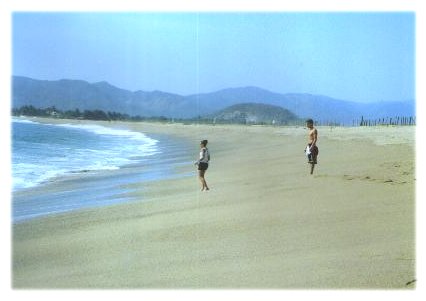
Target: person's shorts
(312, 157)
(203, 166)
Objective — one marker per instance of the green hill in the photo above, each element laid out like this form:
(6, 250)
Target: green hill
(254, 113)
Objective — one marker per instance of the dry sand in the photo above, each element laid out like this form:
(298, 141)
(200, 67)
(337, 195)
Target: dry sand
(266, 223)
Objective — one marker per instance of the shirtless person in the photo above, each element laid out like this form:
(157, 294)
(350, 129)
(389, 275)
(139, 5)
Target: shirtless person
(312, 149)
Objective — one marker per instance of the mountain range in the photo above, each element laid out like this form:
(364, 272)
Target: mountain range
(68, 94)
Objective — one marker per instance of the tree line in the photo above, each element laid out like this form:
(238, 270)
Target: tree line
(53, 112)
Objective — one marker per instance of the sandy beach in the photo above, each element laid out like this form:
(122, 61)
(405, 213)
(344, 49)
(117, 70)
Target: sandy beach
(265, 224)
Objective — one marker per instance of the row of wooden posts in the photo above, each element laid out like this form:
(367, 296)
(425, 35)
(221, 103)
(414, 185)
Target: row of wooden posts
(387, 121)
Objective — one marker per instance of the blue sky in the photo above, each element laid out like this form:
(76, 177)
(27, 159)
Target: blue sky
(350, 56)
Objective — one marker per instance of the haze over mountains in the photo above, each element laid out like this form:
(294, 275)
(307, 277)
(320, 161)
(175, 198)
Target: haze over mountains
(77, 94)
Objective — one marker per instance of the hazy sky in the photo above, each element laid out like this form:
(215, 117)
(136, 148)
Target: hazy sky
(350, 56)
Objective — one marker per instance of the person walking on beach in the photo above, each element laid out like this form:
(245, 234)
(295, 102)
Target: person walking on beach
(203, 164)
(312, 148)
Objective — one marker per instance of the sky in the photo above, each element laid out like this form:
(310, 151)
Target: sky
(351, 56)
(355, 56)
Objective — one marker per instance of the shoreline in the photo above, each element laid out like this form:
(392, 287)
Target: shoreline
(265, 223)
(62, 193)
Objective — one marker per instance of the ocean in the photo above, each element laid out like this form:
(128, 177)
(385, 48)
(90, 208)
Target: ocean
(107, 158)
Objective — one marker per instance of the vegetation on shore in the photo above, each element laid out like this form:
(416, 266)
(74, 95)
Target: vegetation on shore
(241, 118)
(250, 114)
(53, 112)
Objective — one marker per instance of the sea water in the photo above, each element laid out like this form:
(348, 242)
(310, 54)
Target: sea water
(43, 153)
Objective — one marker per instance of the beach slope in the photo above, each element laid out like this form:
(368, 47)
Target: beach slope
(265, 223)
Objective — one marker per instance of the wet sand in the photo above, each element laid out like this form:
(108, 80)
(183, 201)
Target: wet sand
(265, 223)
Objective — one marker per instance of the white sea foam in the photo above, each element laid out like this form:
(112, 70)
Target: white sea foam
(26, 175)
(40, 156)
(19, 120)
(101, 130)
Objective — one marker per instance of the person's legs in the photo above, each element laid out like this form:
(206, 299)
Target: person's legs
(201, 174)
(201, 178)
(205, 184)
(315, 152)
(313, 158)
(204, 181)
